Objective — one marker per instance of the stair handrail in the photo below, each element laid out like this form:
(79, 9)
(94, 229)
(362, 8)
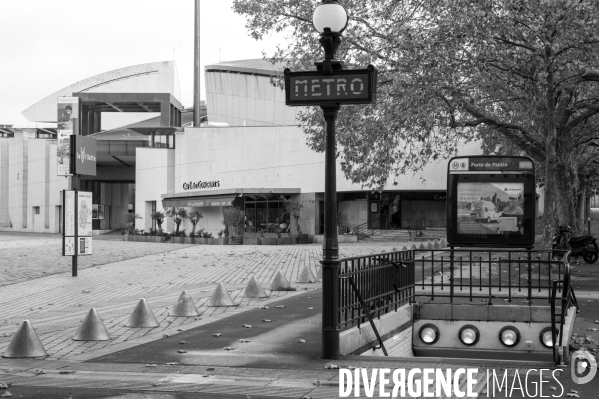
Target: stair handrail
(568, 297)
(361, 228)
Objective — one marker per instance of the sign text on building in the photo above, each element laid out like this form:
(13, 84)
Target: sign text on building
(200, 184)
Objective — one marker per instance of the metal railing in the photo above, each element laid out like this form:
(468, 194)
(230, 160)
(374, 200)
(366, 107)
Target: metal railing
(365, 229)
(373, 285)
(489, 274)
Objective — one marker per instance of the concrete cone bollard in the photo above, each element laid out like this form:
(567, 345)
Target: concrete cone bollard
(306, 275)
(221, 297)
(437, 244)
(280, 283)
(25, 343)
(92, 328)
(444, 242)
(413, 247)
(184, 307)
(404, 248)
(421, 246)
(254, 289)
(142, 316)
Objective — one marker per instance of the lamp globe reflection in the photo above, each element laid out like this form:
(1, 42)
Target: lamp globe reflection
(509, 336)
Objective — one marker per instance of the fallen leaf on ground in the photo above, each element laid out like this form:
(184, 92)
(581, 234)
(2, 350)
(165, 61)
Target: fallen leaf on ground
(244, 340)
(210, 369)
(229, 348)
(280, 306)
(263, 307)
(216, 335)
(181, 351)
(4, 385)
(151, 365)
(165, 335)
(331, 366)
(181, 342)
(266, 320)
(171, 363)
(301, 341)
(66, 372)
(157, 384)
(247, 326)
(6, 394)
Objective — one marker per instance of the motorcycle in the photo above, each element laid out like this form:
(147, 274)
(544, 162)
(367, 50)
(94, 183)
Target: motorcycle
(584, 246)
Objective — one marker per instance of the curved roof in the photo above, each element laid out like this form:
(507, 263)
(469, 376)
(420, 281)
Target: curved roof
(154, 77)
(252, 66)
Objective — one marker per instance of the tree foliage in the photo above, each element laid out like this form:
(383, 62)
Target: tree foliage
(158, 216)
(194, 218)
(233, 215)
(178, 214)
(506, 72)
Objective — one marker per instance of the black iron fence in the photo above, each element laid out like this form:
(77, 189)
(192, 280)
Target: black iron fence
(479, 273)
(373, 285)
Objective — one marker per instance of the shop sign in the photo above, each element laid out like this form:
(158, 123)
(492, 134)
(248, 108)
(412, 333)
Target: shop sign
(68, 214)
(210, 202)
(500, 164)
(84, 149)
(356, 86)
(200, 184)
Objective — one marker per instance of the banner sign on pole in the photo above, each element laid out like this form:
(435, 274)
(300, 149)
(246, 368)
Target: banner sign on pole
(68, 109)
(68, 248)
(84, 214)
(85, 246)
(63, 152)
(84, 150)
(68, 223)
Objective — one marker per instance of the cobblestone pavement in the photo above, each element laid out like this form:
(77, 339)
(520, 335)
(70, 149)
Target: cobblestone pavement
(119, 273)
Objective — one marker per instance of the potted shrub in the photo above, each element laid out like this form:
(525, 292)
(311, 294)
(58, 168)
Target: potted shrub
(294, 208)
(233, 215)
(178, 214)
(158, 217)
(130, 219)
(155, 236)
(203, 237)
(194, 218)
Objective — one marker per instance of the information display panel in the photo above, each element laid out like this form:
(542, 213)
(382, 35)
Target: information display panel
(491, 201)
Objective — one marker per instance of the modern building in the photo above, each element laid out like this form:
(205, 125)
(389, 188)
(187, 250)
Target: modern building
(248, 153)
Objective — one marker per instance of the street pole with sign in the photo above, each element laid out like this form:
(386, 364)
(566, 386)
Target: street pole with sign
(329, 87)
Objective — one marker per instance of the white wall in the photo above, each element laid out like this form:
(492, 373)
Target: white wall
(4, 155)
(154, 176)
(275, 157)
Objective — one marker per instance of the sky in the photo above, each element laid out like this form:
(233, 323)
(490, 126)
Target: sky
(47, 45)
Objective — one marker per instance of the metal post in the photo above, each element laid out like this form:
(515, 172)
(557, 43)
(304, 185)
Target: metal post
(330, 262)
(196, 66)
(75, 188)
(451, 271)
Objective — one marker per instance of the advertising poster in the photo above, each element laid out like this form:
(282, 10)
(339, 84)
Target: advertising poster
(69, 213)
(85, 246)
(84, 214)
(490, 208)
(101, 211)
(62, 152)
(94, 211)
(68, 109)
(69, 246)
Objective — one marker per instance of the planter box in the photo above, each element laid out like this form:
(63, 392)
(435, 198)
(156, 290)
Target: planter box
(217, 241)
(251, 241)
(201, 240)
(155, 238)
(284, 241)
(236, 240)
(189, 240)
(269, 241)
(303, 239)
(178, 240)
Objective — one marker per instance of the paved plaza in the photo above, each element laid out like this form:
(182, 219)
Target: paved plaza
(146, 363)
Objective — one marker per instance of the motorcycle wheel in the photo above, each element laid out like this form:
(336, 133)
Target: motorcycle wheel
(590, 257)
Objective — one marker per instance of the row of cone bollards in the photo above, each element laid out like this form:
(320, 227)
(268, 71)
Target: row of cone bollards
(26, 343)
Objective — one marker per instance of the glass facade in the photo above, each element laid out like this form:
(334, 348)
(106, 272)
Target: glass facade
(265, 214)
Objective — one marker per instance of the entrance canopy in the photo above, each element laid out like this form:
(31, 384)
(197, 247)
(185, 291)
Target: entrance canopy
(222, 197)
(198, 201)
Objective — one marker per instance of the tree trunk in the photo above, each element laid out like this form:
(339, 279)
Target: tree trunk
(159, 226)
(177, 231)
(193, 230)
(566, 197)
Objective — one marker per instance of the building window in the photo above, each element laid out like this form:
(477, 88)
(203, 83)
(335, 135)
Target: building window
(36, 210)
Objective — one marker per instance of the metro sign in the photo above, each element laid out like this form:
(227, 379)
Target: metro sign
(357, 86)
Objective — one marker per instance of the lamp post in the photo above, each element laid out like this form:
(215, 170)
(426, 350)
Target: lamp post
(328, 87)
(330, 19)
